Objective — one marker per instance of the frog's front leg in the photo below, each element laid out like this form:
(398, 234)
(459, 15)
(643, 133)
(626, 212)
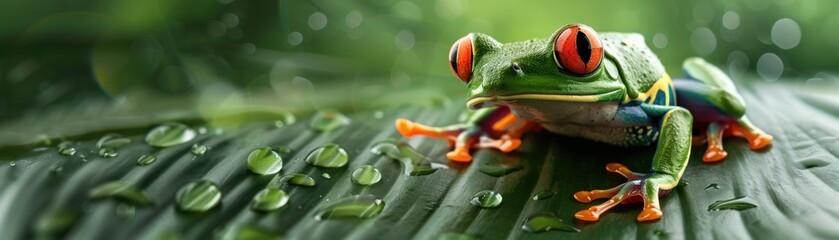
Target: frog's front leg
(670, 161)
(494, 128)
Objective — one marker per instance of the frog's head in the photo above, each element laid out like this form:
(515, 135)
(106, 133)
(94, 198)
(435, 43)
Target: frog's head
(567, 67)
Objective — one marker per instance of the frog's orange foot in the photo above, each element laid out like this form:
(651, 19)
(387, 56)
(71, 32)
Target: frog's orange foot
(588, 196)
(460, 154)
(630, 192)
(714, 137)
(405, 127)
(714, 154)
(504, 144)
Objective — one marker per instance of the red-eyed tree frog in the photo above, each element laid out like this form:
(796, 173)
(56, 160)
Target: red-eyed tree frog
(606, 87)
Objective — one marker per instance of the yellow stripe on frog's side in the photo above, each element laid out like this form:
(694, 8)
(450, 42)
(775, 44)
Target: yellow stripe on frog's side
(663, 84)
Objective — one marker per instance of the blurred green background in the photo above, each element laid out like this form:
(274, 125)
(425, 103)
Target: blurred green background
(205, 55)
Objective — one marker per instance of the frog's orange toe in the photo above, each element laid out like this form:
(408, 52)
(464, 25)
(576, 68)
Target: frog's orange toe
(587, 215)
(649, 213)
(405, 127)
(614, 167)
(761, 141)
(509, 145)
(583, 196)
(714, 154)
(460, 155)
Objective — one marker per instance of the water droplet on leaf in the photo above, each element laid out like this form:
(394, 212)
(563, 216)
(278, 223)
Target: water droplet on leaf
(413, 162)
(486, 199)
(198, 196)
(66, 149)
(108, 153)
(169, 134)
(712, 186)
(359, 206)
(544, 194)
(146, 160)
(269, 199)
(112, 141)
(328, 120)
(738, 203)
(198, 149)
(328, 156)
(299, 180)
(264, 161)
(366, 175)
(543, 222)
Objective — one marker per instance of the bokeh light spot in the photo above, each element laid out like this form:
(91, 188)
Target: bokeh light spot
(317, 21)
(770, 66)
(703, 41)
(353, 19)
(660, 40)
(731, 20)
(405, 40)
(295, 38)
(786, 33)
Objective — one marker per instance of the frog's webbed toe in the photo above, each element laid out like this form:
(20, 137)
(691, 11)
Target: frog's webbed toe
(639, 187)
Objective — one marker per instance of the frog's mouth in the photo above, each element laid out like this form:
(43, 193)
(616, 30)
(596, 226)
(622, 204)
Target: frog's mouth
(478, 102)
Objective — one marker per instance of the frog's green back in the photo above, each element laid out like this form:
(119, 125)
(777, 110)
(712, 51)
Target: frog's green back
(639, 67)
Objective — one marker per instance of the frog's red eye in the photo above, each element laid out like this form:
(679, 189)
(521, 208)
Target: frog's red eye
(460, 58)
(578, 50)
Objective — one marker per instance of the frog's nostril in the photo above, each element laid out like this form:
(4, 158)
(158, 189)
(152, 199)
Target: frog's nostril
(516, 67)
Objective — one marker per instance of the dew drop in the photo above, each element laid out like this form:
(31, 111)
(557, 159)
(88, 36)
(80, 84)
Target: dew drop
(544, 194)
(328, 120)
(326, 175)
(198, 196)
(366, 175)
(499, 170)
(12, 164)
(738, 203)
(113, 141)
(712, 186)
(120, 191)
(146, 160)
(543, 222)
(269, 199)
(169, 134)
(328, 156)
(198, 149)
(264, 161)
(299, 180)
(486, 199)
(413, 162)
(66, 149)
(359, 206)
(108, 153)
